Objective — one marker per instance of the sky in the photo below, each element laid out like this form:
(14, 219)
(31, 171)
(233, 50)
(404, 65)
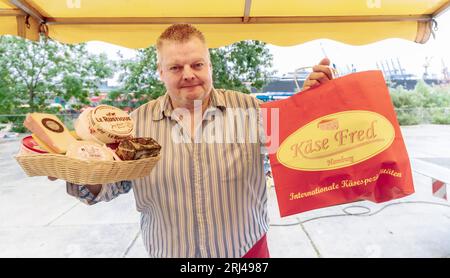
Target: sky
(412, 56)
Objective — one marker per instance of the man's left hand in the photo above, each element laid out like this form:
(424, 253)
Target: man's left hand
(321, 74)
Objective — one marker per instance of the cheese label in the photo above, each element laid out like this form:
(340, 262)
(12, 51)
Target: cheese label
(88, 151)
(336, 141)
(112, 120)
(52, 125)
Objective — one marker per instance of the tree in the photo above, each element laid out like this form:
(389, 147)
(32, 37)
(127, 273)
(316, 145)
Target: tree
(45, 69)
(6, 96)
(7, 99)
(82, 73)
(402, 98)
(139, 80)
(235, 67)
(240, 63)
(424, 104)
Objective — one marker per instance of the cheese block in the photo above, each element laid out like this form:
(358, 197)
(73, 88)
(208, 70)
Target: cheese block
(42, 144)
(47, 128)
(87, 150)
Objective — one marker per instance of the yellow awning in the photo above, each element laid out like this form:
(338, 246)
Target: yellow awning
(137, 23)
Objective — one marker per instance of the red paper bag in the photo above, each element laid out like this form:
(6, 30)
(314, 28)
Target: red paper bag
(337, 143)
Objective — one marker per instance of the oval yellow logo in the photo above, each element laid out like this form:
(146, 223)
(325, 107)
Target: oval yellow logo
(336, 141)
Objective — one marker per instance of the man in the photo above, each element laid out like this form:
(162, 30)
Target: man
(206, 197)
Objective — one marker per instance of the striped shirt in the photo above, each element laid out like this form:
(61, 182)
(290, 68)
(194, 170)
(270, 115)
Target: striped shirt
(206, 197)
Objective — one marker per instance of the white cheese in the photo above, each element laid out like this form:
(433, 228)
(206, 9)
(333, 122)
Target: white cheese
(87, 150)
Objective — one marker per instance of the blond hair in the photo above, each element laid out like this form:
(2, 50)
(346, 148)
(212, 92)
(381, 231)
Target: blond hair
(180, 32)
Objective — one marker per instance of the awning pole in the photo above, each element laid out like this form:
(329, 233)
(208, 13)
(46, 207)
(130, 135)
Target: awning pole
(248, 5)
(441, 10)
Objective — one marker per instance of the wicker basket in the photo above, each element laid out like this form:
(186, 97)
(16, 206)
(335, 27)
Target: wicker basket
(85, 172)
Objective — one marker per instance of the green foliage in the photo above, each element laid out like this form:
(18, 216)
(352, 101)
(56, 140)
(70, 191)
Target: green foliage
(17, 122)
(422, 88)
(441, 117)
(45, 69)
(6, 95)
(139, 79)
(240, 63)
(402, 98)
(408, 117)
(7, 100)
(32, 74)
(424, 104)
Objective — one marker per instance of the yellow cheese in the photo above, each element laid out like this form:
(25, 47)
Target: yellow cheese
(50, 131)
(42, 144)
(75, 135)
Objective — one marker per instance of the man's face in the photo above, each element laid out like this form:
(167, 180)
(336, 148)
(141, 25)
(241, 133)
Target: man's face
(186, 71)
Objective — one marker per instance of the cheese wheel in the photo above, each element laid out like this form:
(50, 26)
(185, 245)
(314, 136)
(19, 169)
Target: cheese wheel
(109, 124)
(30, 146)
(82, 126)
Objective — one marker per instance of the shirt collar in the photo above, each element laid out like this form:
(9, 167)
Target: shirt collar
(163, 107)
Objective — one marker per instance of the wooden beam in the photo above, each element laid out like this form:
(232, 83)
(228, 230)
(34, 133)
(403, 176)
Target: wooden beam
(21, 31)
(143, 20)
(338, 19)
(235, 20)
(442, 9)
(26, 8)
(15, 12)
